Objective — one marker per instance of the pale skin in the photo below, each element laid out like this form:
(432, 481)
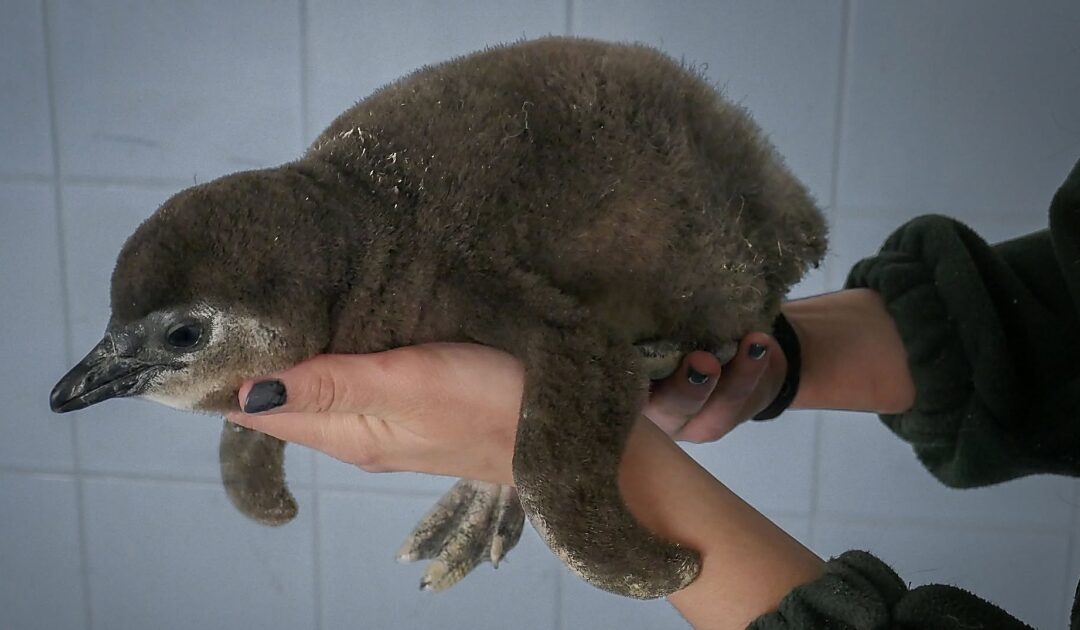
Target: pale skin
(452, 409)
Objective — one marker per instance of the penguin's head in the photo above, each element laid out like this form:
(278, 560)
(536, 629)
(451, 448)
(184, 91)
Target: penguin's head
(191, 357)
(226, 281)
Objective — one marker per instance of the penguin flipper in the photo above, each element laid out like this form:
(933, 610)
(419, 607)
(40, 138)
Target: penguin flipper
(253, 473)
(583, 393)
(473, 522)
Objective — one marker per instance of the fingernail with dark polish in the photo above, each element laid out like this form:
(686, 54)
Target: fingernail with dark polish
(756, 351)
(695, 377)
(264, 396)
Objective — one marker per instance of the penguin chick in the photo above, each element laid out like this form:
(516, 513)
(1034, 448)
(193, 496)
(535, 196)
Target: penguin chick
(559, 199)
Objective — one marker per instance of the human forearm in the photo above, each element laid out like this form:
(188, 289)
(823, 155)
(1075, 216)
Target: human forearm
(852, 358)
(369, 410)
(852, 355)
(749, 564)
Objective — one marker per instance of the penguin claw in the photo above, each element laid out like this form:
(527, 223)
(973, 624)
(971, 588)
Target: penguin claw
(473, 522)
(660, 358)
(507, 524)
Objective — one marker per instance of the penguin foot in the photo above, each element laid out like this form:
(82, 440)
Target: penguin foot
(473, 522)
(660, 358)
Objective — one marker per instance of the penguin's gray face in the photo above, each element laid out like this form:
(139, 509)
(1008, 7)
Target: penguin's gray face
(192, 358)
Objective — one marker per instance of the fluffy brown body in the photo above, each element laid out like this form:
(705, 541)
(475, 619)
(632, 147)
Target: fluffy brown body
(559, 199)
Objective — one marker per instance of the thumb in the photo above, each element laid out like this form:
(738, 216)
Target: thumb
(325, 383)
(328, 403)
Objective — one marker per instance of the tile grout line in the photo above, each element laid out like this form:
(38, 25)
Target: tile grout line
(118, 181)
(58, 195)
(27, 178)
(316, 548)
(975, 526)
(1070, 551)
(841, 91)
(196, 480)
(558, 601)
(303, 77)
(96, 180)
(65, 301)
(815, 482)
(834, 198)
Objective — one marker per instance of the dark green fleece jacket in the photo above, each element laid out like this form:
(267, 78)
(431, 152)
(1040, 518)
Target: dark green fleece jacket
(969, 315)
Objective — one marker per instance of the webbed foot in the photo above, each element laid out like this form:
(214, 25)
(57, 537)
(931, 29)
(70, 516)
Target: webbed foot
(473, 522)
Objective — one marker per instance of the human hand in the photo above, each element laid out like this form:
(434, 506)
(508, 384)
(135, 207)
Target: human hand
(442, 408)
(718, 398)
(452, 409)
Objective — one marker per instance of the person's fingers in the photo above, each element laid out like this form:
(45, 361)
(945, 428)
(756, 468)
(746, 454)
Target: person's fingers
(403, 409)
(677, 398)
(332, 403)
(735, 394)
(326, 383)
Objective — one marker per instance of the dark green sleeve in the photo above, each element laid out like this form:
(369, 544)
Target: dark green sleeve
(859, 592)
(992, 334)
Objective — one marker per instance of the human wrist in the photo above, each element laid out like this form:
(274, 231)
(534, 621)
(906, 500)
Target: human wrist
(853, 356)
(786, 337)
(748, 563)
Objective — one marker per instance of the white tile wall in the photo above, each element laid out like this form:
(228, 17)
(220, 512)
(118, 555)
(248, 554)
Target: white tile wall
(868, 472)
(41, 571)
(1018, 570)
(363, 585)
(175, 89)
(985, 93)
(113, 518)
(356, 47)
(781, 60)
(177, 555)
(770, 464)
(32, 344)
(24, 97)
(1072, 577)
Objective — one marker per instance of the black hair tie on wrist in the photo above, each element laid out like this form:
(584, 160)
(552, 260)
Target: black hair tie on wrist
(789, 343)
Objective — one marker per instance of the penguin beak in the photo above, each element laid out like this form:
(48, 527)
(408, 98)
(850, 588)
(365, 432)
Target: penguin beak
(101, 375)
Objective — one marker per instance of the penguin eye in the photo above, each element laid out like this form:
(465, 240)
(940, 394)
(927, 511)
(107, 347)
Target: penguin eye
(184, 335)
